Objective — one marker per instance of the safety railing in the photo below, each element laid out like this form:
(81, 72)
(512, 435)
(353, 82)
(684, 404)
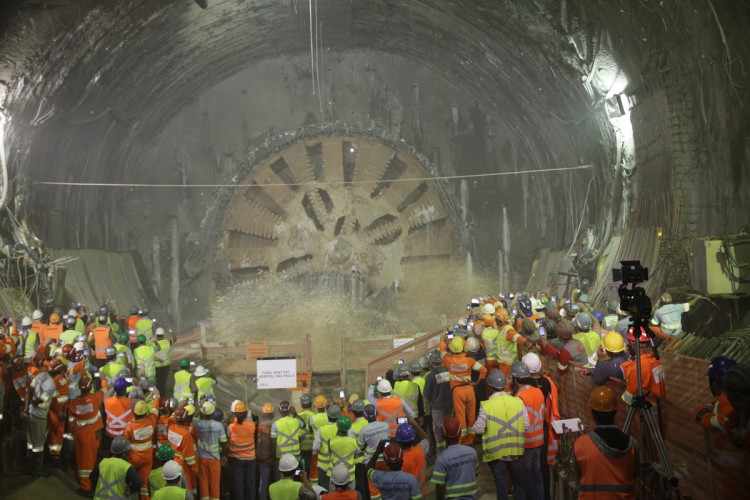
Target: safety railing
(407, 352)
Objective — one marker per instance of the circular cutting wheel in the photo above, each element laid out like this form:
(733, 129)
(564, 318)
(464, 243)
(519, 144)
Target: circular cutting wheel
(330, 205)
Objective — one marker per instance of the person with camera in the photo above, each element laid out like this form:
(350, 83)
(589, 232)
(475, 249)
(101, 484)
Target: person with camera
(292, 479)
(392, 483)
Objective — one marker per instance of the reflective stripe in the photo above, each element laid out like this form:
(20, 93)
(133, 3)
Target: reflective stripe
(610, 488)
(116, 423)
(141, 446)
(62, 399)
(92, 420)
(506, 430)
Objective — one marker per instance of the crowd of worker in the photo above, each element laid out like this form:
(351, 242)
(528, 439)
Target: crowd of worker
(103, 386)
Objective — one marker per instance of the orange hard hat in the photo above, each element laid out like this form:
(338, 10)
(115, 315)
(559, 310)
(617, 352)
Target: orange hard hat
(451, 428)
(488, 320)
(320, 402)
(603, 399)
(502, 315)
(239, 406)
(267, 409)
(54, 318)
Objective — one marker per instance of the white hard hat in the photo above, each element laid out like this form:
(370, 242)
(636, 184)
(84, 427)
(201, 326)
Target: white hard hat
(37, 315)
(532, 362)
(26, 321)
(79, 346)
(160, 332)
(201, 371)
(171, 470)
(384, 387)
(488, 309)
(536, 304)
(563, 312)
(73, 313)
(472, 344)
(340, 475)
(288, 463)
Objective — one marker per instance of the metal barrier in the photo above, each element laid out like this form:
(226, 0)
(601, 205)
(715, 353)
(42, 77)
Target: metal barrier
(408, 352)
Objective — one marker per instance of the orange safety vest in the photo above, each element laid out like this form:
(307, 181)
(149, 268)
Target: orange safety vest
(102, 341)
(140, 433)
(162, 428)
(49, 333)
(460, 367)
(533, 399)
(552, 412)
(341, 495)
(132, 320)
(652, 376)
(390, 409)
(183, 445)
(604, 477)
(84, 412)
(61, 401)
(241, 440)
(119, 413)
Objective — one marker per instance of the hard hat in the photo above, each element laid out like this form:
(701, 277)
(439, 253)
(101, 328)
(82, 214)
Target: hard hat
(603, 399)
(123, 338)
(435, 358)
(320, 402)
(613, 342)
(451, 427)
(267, 409)
(208, 408)
(164, 453)
(353, 397)
(26, 321)
(472, 344)
(141, 339)
(340, 475)
(502, 316)
(140, 408)
(201, 371)
(184, 364)
(405, 434)
(488, 309)
(189, 410)
(37, 315)
(70, 321)
(456, 345)
(54, 318)
(718, 369)
(401, 373)
(415, 367)
(475, 302)
(583, 321)
(488, 320)
(72, 313)
(599, 316)
(358, 406)
(67, 350)
(288, 463)
(536, 304)
(238, 406)
(496, 379)
(564, 329)
(160, 332)
(171, 471)
(284, 407)
(120, 384)
(343, 424)
(533, 362)
(110, 352)
(524, 304)
(305, 401)
(519, 370)
(384, 387)
(393, 454)
(370, 412)
(333, 412)
(119, 446)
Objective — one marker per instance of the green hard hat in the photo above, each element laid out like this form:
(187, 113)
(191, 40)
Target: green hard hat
(164, 453)
(184, 364)
(141, 339)
(344, 424)
(122, 337)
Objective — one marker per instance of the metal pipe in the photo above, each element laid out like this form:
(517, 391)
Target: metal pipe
(175, 290)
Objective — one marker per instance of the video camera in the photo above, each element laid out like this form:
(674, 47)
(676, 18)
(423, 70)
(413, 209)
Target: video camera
(633, 298)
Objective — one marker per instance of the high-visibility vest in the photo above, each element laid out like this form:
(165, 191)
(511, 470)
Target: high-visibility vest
(140, 433)
(30, 344)
(507, 350)
(51, 332)
(111, 370)
(162, 356)
(144, 361)
(460, 367)
(306, 440)
(69, 336)
(343, 451)
(319, 420)
(162, 428)
(503, 435)
(119, 413)
(408, 391)
(421, 382)
(182, 443)
(144, 326)
(652, 376)
(390, 409)
(327, 432)
(533, 399)
(124, 348)
(182, 385)
(552, 413)
(85, 413)
(284, 489)
(102, 341)
(489, 338)
(241, 437)
(602, 475)
(357, 427)
(156, 481)
(80, 326)
(205, 387)
(111, 483)
(170, 493)
(288, 433)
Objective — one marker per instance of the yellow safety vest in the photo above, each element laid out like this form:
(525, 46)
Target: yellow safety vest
(111, 483)
(144, 326)
(327, 432)
(319, 420)
(507, 350)
(182, 389)
(205, 387)
(111, 370)
(505, 427)
(69, 337)
(408, 391)
(30, 344)
(343, 451)
(145, 361)
(288, 433)
(421, 382)
(306, 441)
(489, 338)
(357, 426)
(162, 357)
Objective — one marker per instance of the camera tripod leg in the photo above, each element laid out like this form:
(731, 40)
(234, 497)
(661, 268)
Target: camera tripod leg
(653, 427)
(628, 419)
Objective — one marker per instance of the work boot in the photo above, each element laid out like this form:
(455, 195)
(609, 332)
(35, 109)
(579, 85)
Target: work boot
(39, 469)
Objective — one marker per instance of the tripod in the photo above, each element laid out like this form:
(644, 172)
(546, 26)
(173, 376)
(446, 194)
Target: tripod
(647, 412)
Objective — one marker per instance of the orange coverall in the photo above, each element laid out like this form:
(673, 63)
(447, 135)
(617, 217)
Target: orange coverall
(460, 367)
(85, 423)
(56, 416)
(140, 432)
(183, 445)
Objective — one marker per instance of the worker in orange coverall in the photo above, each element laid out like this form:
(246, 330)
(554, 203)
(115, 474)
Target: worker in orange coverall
(85, 424)
(459, 367)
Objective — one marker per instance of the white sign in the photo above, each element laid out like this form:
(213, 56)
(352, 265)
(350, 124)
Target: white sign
(276, 373)
(567, 425)
(399, 342)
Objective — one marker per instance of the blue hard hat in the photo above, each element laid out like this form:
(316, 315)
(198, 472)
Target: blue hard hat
(524, 304)
(120, 384)
(599, 315)
(370, 412)
(406, 434)
(718, 368)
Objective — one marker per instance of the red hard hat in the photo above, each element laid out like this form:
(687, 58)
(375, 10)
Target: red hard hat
(66, 350)
(644, 338)
(451, 427)
(392, 453)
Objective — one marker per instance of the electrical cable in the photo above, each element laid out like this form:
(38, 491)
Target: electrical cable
(312, 48)
(312, 184)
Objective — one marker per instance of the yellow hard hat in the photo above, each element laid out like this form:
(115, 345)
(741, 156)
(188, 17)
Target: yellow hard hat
(189, 410)
(141, 408)
(456, 345)
(502, 315)
(320, 402)
(603, 399)
(613, 342)
(238, 406)
(488, 320)
(353, 398)
(267, 409)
